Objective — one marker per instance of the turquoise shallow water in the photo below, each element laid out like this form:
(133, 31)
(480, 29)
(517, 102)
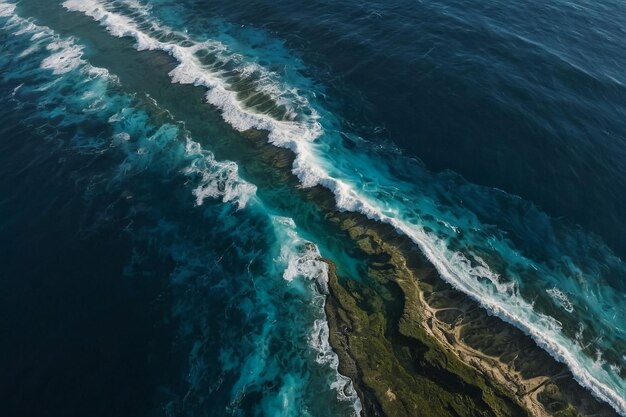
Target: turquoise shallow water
(142, 105)
(245, 309)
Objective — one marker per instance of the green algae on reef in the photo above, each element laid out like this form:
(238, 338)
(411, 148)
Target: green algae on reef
(386, 324)
(411, 343)
(397, 368)
(415, 346)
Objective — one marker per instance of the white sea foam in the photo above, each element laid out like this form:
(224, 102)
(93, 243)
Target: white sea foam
(31, 49)
(215, 179)
(449, 226)
(66, 56)
(6, 9)
(123, 136)
(218, 179)
(498, 297)
(291, 134)
(303, 259)
(561, 298)
(342, 384)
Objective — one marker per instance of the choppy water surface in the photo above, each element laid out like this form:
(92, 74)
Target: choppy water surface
(123, 130)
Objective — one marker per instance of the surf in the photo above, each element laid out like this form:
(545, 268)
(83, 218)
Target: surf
(248, 95)
(74, 93)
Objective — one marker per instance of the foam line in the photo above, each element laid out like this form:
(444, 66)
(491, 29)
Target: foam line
(215, 179)
(299, 135)
(303, 259)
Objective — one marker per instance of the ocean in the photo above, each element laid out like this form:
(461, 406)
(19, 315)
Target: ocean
(161, 254)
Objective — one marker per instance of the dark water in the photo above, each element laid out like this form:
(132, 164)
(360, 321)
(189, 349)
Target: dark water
(527, 97)
(152, 265)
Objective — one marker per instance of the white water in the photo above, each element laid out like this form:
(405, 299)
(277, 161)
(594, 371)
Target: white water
(216, 179)
(311, 166)
(303, 260)
(88, 93)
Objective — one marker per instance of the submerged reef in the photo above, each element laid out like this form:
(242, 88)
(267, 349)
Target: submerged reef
(410, 342)
(415, 346)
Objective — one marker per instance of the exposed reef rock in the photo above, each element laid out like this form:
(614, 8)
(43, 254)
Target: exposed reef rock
(415, 346)
(412, 344)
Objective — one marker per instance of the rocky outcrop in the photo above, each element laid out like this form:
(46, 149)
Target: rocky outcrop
(415, 346)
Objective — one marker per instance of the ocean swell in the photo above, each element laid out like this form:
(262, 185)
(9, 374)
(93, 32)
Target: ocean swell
(81, 92)
(292, 123)
(64, 59)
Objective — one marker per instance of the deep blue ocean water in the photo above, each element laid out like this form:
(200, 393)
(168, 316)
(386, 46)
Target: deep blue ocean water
(151, 267)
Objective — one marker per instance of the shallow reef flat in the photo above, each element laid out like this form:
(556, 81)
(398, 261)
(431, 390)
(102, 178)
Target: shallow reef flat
(411, 343)
(415, 346)
(424, 197)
